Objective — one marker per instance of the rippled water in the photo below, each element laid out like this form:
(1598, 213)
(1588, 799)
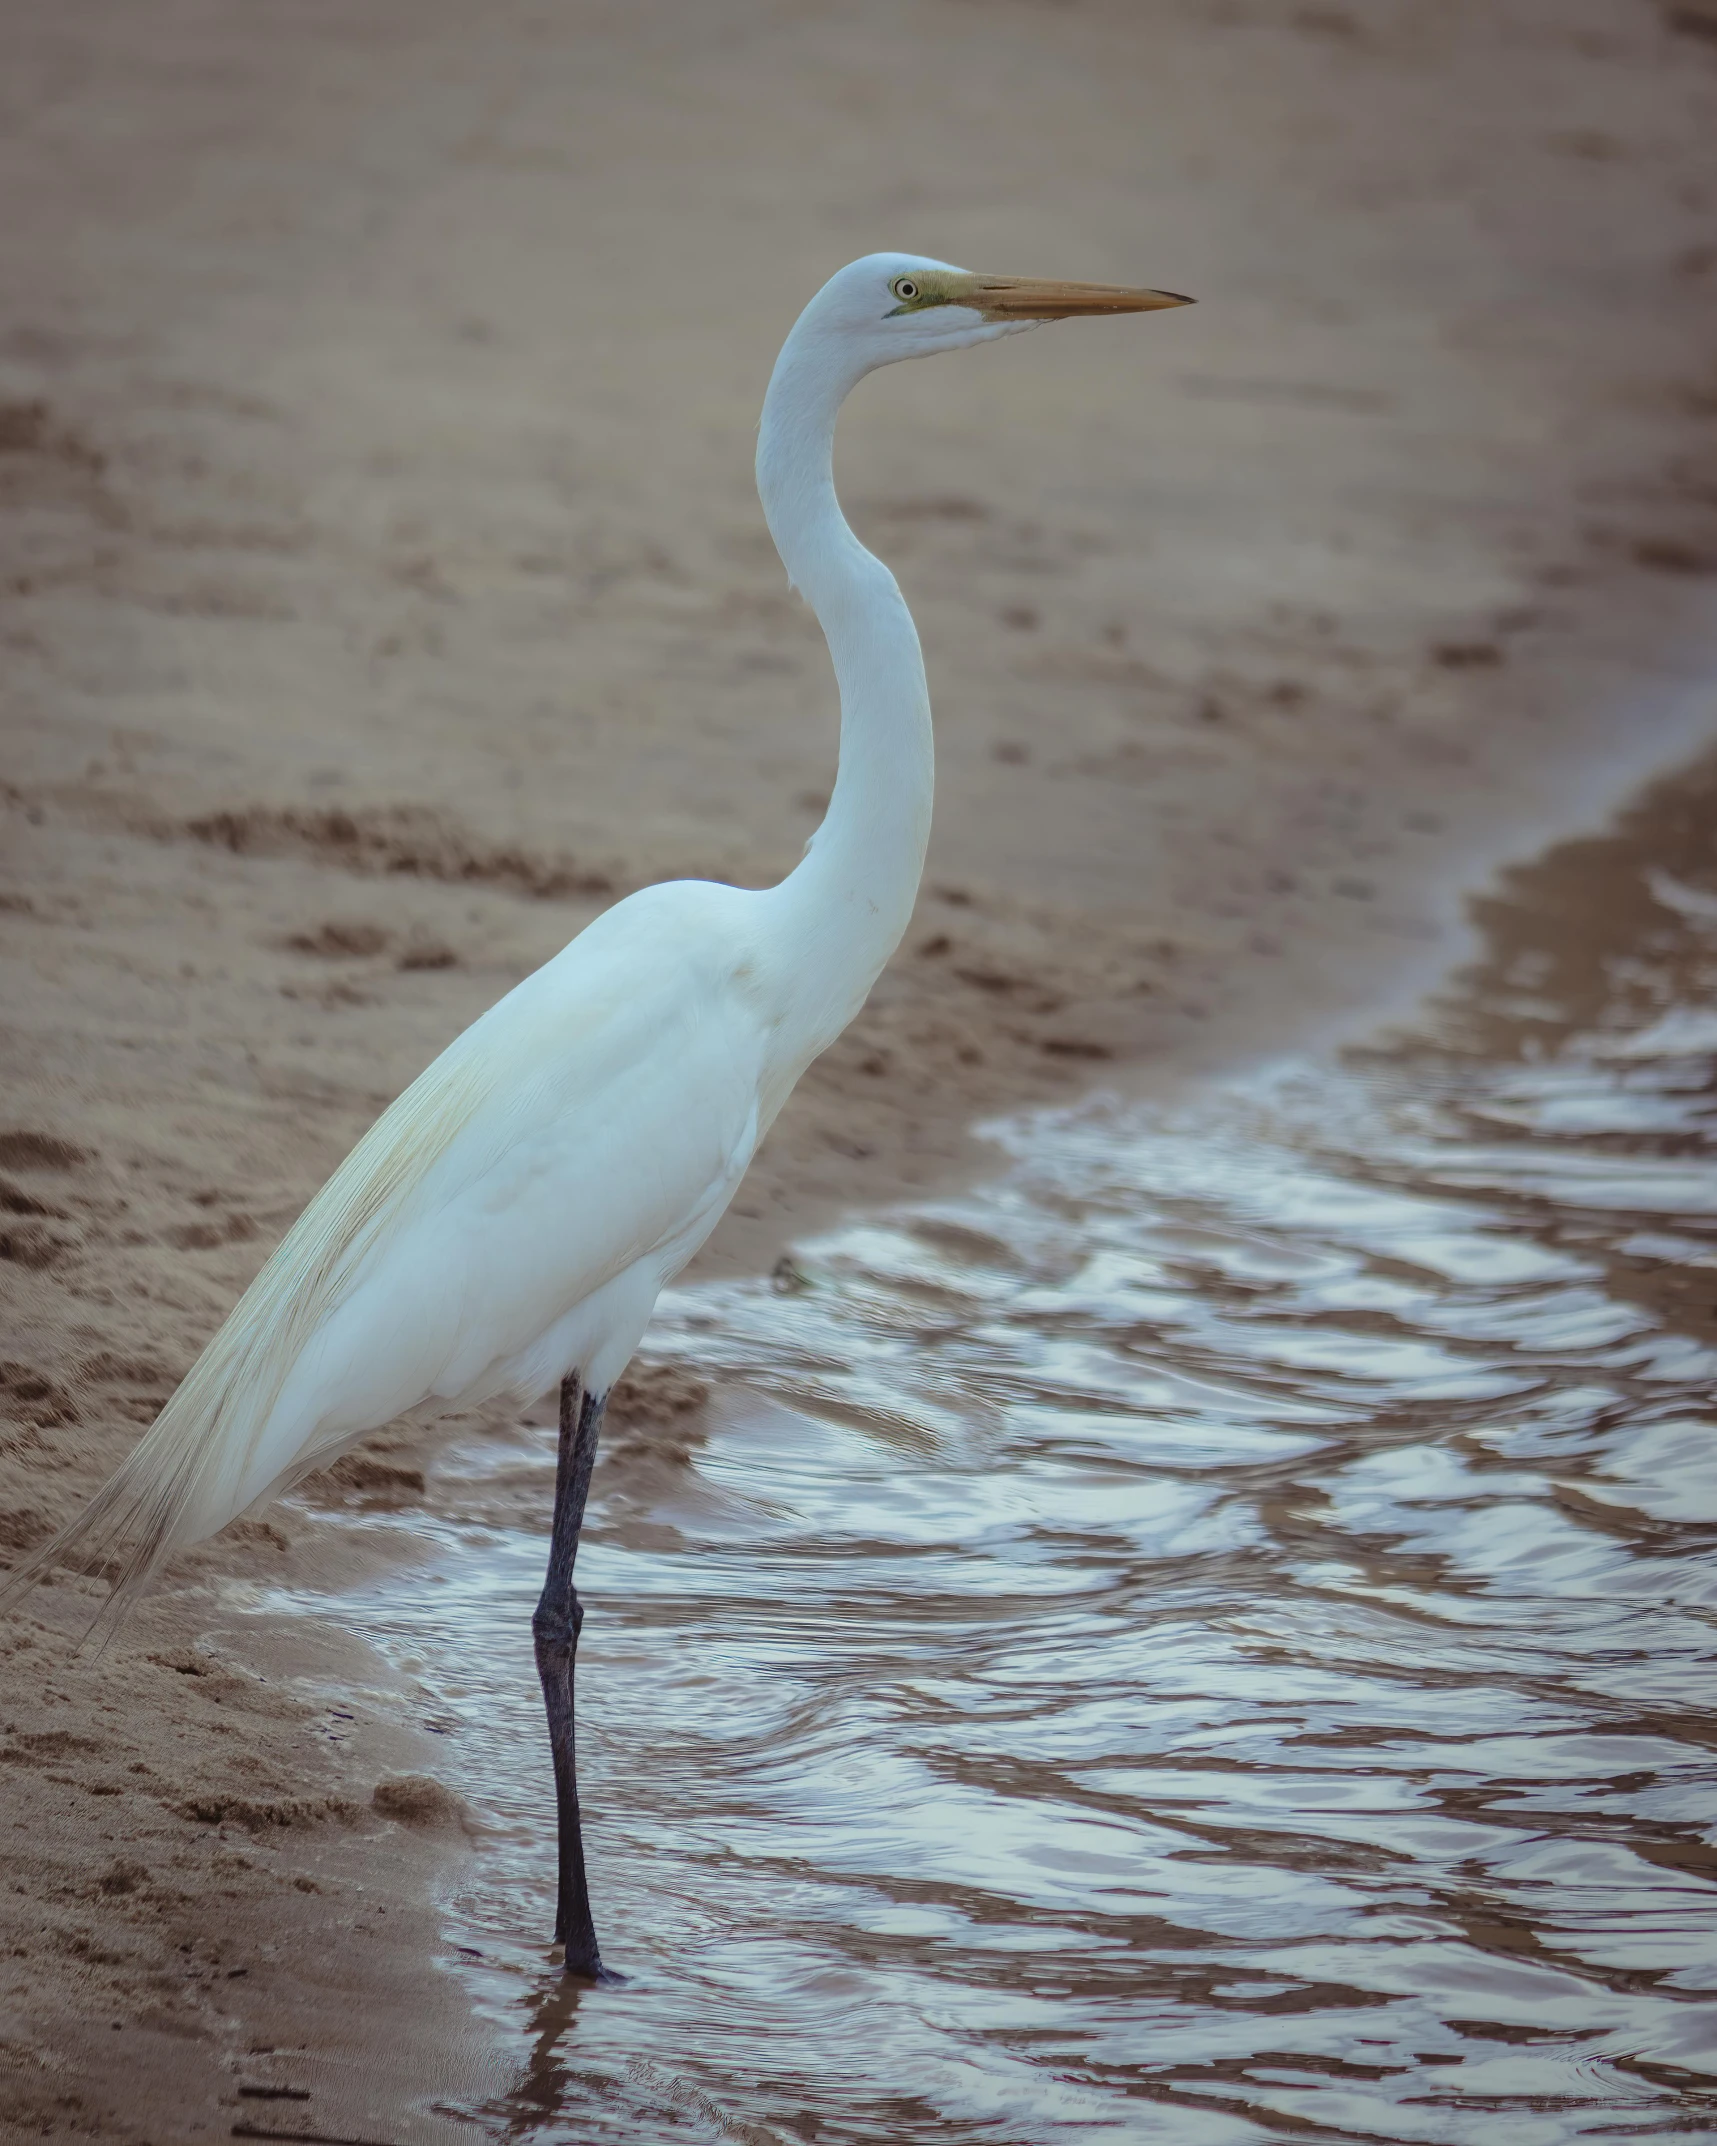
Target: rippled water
(1204, 1638)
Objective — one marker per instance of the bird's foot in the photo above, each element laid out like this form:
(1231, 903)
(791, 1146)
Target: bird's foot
(587, 1968)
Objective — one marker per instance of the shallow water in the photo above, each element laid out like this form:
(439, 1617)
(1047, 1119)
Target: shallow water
(1204, 1638)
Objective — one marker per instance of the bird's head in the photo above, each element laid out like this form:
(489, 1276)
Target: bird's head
(899, 305)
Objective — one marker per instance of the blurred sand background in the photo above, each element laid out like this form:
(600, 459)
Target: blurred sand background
(384, 591)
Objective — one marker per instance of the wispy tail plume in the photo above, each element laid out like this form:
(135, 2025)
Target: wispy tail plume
(188, 1476)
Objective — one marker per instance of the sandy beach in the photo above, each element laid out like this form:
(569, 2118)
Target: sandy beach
(385, 592)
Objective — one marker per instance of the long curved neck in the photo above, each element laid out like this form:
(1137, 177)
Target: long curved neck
(845, 907)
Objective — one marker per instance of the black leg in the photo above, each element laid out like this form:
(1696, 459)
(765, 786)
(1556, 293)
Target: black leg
(556, 1626)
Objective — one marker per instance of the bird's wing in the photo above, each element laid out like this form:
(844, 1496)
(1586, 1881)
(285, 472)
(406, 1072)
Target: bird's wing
(567, 1133)
(621, 1139)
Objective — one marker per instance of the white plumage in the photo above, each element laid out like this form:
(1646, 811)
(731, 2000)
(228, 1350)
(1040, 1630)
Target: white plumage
(510, 1220)
(513, 1214)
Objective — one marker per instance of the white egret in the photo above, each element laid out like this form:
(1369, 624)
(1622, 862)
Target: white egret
(508, 1223)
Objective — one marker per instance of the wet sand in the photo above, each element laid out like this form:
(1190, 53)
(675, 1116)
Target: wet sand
(385, 592)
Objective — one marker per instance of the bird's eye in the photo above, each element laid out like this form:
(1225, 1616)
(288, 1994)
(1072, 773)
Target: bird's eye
(904, 287)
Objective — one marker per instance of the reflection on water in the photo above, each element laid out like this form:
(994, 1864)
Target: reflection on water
(1205, 1638)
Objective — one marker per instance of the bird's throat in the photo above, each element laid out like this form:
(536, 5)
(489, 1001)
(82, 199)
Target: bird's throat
(847, 905)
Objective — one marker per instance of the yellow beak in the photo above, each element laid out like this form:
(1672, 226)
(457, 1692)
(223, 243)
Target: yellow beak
(1026, 298)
